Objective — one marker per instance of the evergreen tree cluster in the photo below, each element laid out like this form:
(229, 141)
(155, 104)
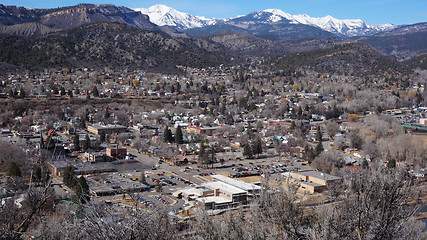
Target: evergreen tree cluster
(79, 185)
(206, 157)
(14, 170)
(255, 149)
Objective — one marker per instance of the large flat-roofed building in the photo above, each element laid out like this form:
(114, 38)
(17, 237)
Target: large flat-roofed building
(219, 194)
(250, 188)
(202, 130)
(214, 202)
(116, 151)
(313, 181)
(105, 184)
(235, 195)
(316, 176)
(107, 129)
(190, 194)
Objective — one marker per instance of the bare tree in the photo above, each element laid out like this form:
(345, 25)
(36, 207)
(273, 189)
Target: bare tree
(373, 206)
(332, 128)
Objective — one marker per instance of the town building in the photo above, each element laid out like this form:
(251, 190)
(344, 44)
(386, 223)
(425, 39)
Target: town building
(223, 192)
(93, 156)
(116, 151)
(312, 181)
(99, 129)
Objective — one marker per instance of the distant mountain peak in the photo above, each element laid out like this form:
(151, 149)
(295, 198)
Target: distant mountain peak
(163, 15)
(347, 27)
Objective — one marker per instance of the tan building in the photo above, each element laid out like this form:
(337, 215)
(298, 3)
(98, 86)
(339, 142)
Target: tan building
(313, 181)
(107, 129)
(202, 130)
(423, 121)
(57, 168)
(224, 196)
(92, 156)
(217, 194)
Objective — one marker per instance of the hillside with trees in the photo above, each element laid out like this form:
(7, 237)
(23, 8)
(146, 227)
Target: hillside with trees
(109, 44)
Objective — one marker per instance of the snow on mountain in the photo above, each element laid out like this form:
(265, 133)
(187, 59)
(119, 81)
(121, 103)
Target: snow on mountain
(166, 16)
(347, 27)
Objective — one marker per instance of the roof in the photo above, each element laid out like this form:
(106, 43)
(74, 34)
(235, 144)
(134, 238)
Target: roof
(224, 187)
(236, 183)
(198, 191)
(318, 175)
(217, 200)
(109, 126)
(60, 164)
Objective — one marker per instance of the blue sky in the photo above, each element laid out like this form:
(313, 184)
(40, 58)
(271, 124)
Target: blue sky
(371, 11)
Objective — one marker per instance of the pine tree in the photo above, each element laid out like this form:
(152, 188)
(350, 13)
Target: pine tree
(178, 135)
(45, 176)
(319, 134)
(14, 170)
(257, 147)
(107, 114)
(76, 142)
(102, 136)
(82, 190)
(203, 156)
(319, 148)
(95, 91)
(86, 143)
(247, 151)
(69, 177)
(37, 174)
(167, 135)
(22, 93)
(11, 94)
(212, 158)
(391, 163)
(309, 154)
(365, 164)
(82, 123)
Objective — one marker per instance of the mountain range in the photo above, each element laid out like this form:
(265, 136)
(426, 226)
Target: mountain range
(161, 38)
(165, 16)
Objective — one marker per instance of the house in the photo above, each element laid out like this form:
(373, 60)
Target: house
(179, 160)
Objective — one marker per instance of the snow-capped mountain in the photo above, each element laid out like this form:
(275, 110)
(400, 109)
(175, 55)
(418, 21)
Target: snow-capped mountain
(166, 16)
(347, 27)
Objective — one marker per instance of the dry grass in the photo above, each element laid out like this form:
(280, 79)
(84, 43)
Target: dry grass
(421, 138)
(251, 179)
